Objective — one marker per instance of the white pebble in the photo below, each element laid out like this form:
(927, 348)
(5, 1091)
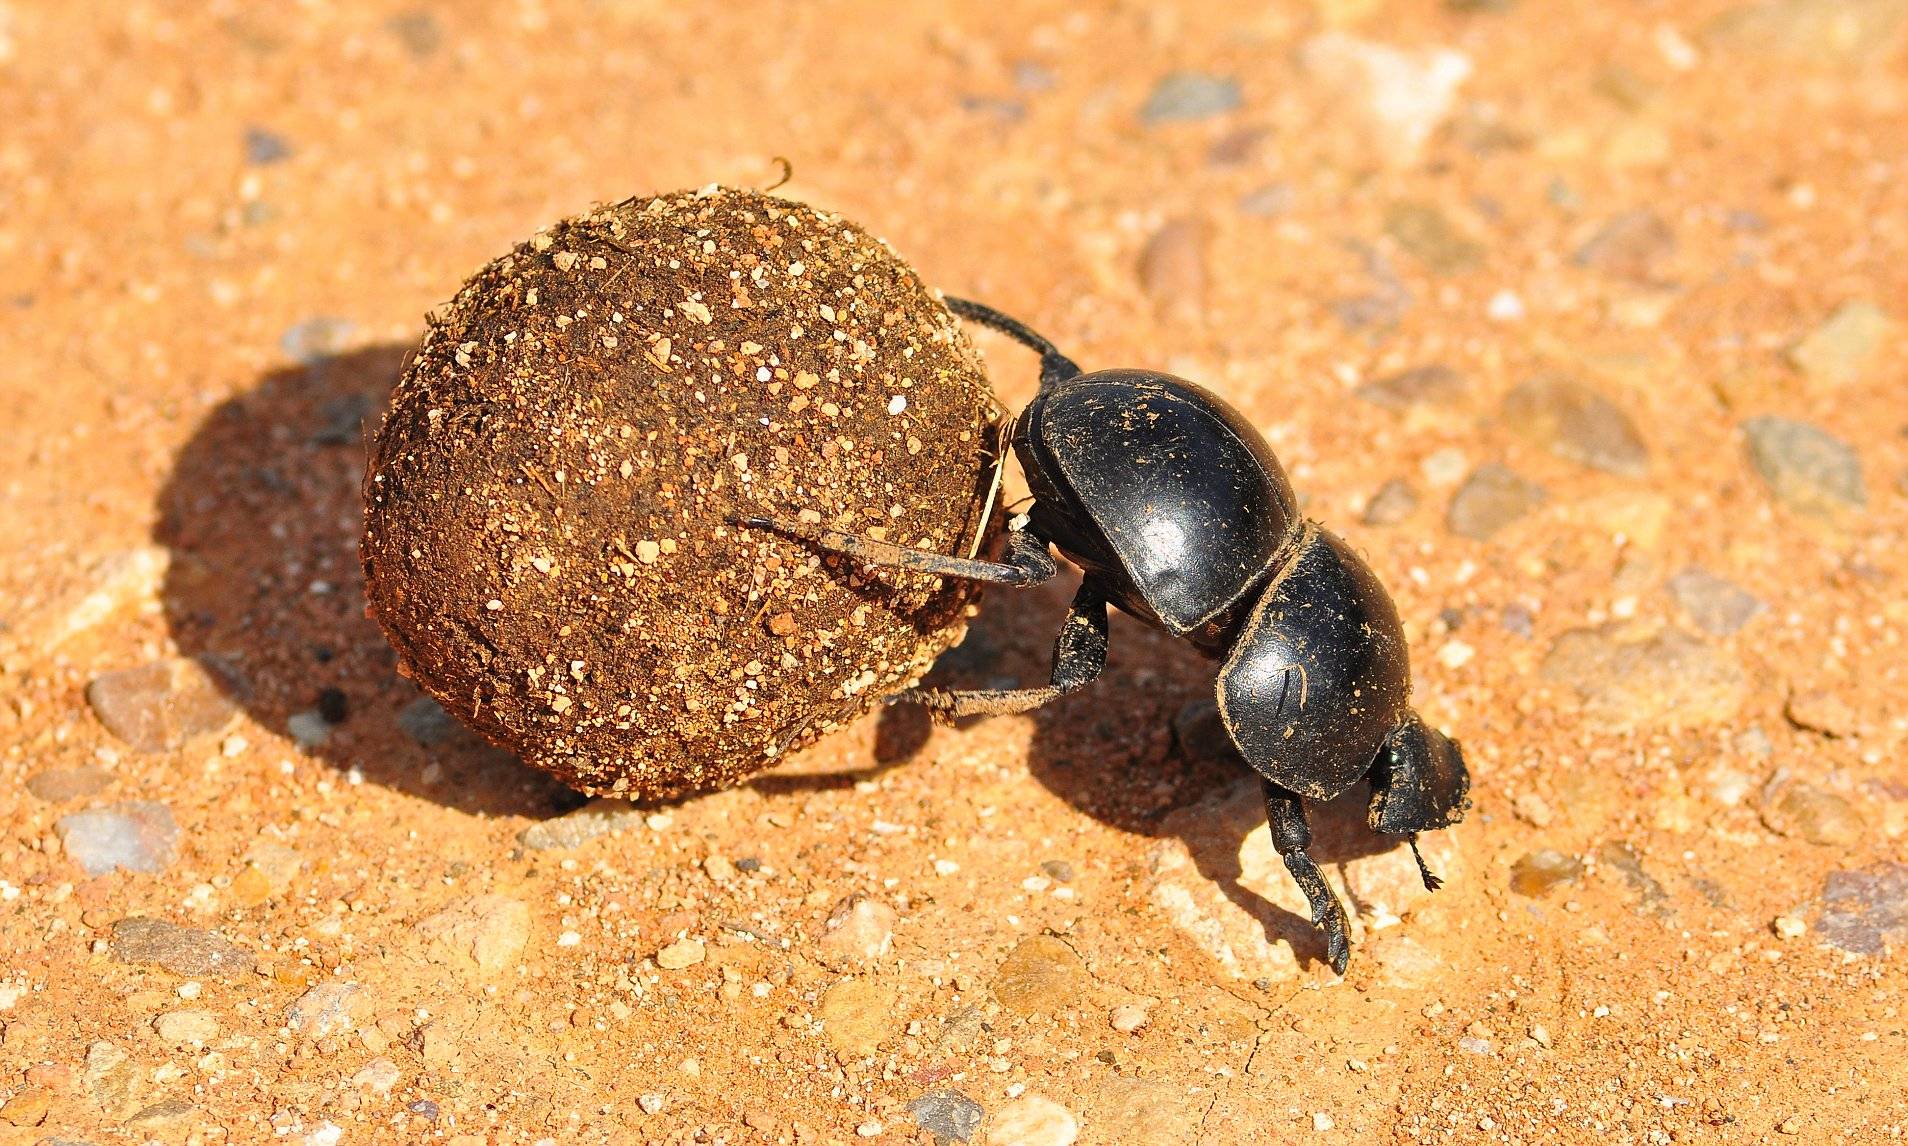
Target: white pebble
(1321, 1121)
(897, 404)
(1505, 306)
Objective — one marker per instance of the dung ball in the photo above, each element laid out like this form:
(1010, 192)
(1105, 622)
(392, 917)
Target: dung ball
(547, 535)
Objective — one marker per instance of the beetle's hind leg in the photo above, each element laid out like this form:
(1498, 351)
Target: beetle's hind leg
(1026, 562)
(1079, 656)
(1291, 835)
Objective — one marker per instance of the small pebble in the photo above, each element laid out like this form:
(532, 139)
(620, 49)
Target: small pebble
(574, 829)
(856, 1015)
(1576, 423)
(1033, 1120)
(1060, 870)
(858, 932)
(309, 728)
(1428, 233)
(316, 339)
(1321, 1122)
(185, 951)
(138, 835)
(1538, 873)
(1820, 710)
(187, 1027)
(425, 721)
(263, 148)
(1432, 385)
(1807, 469)
(1669, 678)
(1630, 245)
(1172, 269)
(1127, 1018)
(1398, 96)
(1843, 350)
(1490, 500)
(1394, 502)
(378, 1076)
(949, 1115)
(1042, 974)
(1865, 911)
(680, 954)
(58, 785)
(326, 1008)
(481, 933)
(1798, 809)
(1713, 604)
(1789, 927)
(1186, 96)
(157, 707)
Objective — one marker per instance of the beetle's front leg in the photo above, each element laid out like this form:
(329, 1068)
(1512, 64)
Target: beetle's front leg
(1291, 835)
(1027, 561)
(1079, 656)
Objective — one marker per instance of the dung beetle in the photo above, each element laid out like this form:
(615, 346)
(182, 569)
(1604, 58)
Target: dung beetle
(1178, 513)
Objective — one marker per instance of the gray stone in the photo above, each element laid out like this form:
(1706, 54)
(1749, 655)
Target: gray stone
(1183, 96)
(184, 951)
(1059, 870)
(58, 785)
(1866, 910)
(1576, 423)
(1397, 96)
(574, 829)
(418, 30)
(1489, 500)
(426, 721)
(1841, 351)
(1394, 502)
(1808, 469)
(309, 729)
(949, 1115)
(1428, 233)
(315, 339)
(1714, 604)
(263, 148)
(1432, 385)
(138, 835)
(1630, 245)
(1625, 679)
(157, 707)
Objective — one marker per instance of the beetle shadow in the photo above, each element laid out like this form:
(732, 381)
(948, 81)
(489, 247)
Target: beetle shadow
(262, 515)
(1141, 749)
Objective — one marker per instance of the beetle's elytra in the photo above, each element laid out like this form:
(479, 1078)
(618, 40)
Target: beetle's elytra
(1178, 513)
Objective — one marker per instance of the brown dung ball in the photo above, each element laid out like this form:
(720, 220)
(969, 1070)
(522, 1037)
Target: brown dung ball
(546, 509)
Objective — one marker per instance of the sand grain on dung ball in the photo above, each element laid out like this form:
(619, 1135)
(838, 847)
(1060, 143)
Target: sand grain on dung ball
(546, 541)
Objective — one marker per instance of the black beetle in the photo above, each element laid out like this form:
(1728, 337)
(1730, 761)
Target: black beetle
(1178, 512)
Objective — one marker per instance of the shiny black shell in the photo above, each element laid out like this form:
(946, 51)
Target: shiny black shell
(1318, 676)
(1161, 490)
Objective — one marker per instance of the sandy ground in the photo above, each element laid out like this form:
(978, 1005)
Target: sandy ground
(1641, 493)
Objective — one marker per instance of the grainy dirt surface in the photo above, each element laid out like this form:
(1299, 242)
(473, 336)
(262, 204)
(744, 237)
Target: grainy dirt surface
(1584, 323)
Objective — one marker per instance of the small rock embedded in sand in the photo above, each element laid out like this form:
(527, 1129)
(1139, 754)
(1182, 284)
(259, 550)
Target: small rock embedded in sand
(859, 931)
(949, 1115)
(1629, 245)
(1172, 269)
(1186, 96)
(1404, 962)
(1432, 385)
(1866, 911)
(425, 721)
(1842, 350)
(1576, 423)
(1428, 233)
(1042, 974)
(855, 1015)
(1625, 680)
(680, 955)
(1808, 469)
(1033, 1120)
(1538, 873)
(187, 1027)
(157, 707)
(1802, 810)
(483, 933)
(138, 835)
(184, 951)
(1400, 95)
(378, 1076)
(1127, 1018)
(308, 729)
(58, 785)
(1714, 604)
(574, 829)
(1820, 710)
(29, 1107)
(1393, 503)
(1492, 498)
(326, 1009)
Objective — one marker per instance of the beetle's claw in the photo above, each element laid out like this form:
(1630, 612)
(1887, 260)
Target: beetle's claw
(1331, 920)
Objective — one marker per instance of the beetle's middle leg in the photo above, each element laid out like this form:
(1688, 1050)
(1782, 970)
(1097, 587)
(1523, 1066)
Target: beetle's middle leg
(1291, 835)
(1079, 656)
(1027, 561)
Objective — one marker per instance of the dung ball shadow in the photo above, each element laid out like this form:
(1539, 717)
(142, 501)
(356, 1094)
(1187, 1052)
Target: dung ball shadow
(262, 517)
